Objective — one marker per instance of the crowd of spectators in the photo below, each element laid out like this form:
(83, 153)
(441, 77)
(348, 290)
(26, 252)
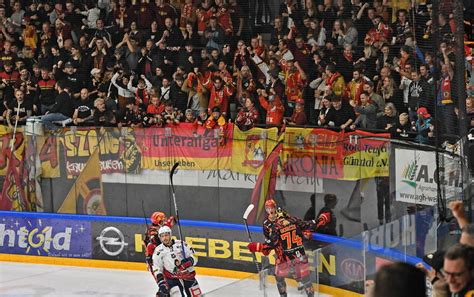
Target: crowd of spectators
(344, 64)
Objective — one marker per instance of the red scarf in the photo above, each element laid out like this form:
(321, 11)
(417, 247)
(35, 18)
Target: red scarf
(332, 79)
(143, 95)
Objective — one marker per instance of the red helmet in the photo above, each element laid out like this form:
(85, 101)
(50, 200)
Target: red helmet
(157, 218)
(270, 203)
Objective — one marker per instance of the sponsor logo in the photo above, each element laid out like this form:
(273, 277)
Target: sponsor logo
(112, 242)
(45, 237)
(409, 174)
(352, 269)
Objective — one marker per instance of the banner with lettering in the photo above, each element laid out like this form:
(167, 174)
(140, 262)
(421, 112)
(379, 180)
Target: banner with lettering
(195, 149)
(6, 135)
(251, 148)
(117, 150)
(324, 153)
(48, 154)
(365, 155)
(313, 152)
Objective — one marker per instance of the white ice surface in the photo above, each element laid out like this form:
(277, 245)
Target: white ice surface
(22, 279)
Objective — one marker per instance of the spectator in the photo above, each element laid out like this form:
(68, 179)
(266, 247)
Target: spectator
(103, 117)
(326, 108)
(388, 121)
(355, 87)
(248, 116)
(214, 35)
(141, 91)
(334, 80)
(391, 94)
(375, 98)
(197, 98)
(20, 110)
(422, 125)
(404, 127)
(458, 270)
(298, 118)
(399, 280)
(46, 91)
(342, 116)
(62, 110)
(348, 35)
(171, 116)
(367, 111)
(133, 116)
(467, 234)
(273, 106)
(219, 94)
(84, 111)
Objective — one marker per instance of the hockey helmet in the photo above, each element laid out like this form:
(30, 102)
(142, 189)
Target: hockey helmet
(157, 218)
(270, 203)
(163, 230)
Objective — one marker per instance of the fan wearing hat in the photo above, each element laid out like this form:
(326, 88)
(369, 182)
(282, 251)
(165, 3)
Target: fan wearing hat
(422, 125)
(216, 119)
(74, 83)
(298, 118)
(434, 273)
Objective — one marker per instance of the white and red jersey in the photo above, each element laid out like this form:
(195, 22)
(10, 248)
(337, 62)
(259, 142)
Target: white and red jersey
(166, 260)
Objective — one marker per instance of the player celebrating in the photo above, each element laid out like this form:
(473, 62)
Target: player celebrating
(173, 268)
(283, 233)
(151, 241)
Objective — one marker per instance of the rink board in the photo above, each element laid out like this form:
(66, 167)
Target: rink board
(116, 242)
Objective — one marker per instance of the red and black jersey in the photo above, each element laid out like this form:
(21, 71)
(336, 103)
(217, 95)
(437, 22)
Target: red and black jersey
(152, 240)
(285, 236)
(47, 93)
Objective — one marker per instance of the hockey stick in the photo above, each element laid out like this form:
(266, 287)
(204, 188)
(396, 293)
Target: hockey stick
(172, 172)
(150, 267)
(246, 215)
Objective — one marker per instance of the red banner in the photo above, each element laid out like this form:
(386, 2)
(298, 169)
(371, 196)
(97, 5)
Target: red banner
(202, 149)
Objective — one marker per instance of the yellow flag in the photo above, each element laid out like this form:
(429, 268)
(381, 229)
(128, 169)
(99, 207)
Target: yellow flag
(251, 148)
(87, 189)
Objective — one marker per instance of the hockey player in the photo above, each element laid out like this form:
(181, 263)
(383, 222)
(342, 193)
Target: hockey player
(171, 268)
(152, 240)
(283, 233)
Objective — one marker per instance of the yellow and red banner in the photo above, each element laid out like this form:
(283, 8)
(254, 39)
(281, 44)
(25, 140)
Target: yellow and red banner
(6, 135)
(324, 153)
(194, 149)
(309, 152)
(251, 148)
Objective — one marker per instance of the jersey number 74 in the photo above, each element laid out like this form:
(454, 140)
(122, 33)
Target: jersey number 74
(292, 239)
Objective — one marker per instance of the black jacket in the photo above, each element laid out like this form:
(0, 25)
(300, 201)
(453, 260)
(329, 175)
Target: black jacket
(64, 105)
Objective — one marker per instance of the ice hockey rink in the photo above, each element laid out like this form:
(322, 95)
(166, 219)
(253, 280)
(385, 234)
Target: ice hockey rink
(23, 279)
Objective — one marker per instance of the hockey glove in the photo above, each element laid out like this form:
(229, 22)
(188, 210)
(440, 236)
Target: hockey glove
(163, 288)
(185, 263)
(255, 247)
